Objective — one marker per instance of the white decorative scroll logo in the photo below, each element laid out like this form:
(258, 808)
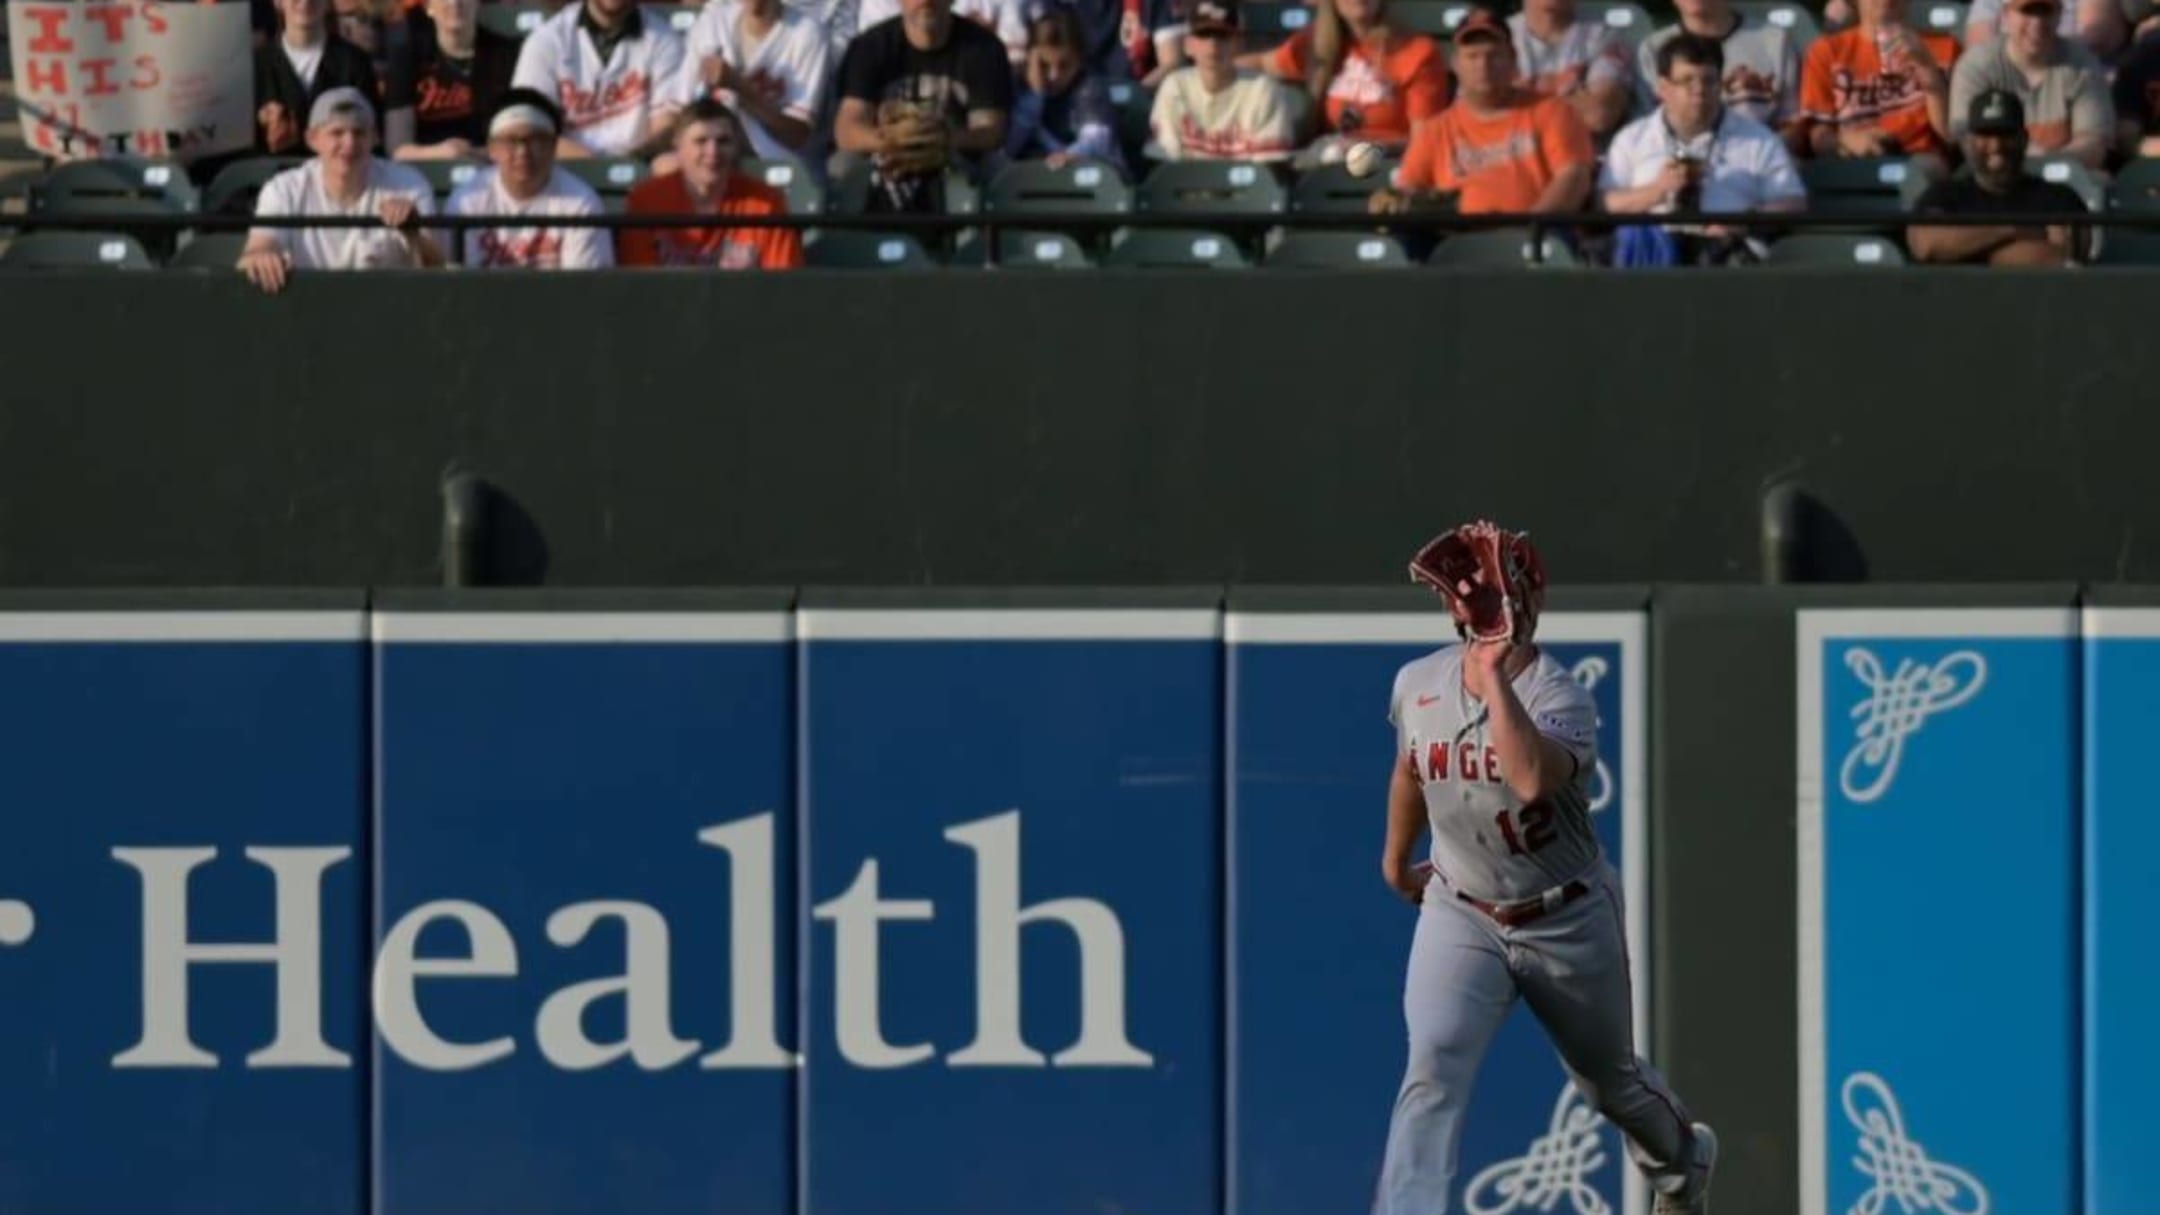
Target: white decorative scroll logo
(1587, 673)
(1895, 708)
(1558, 1166)
(1900, 1171)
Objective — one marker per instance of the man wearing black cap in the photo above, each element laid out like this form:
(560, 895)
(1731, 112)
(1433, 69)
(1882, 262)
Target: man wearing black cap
(1995, 181)
(1213, 110)
(2062, 86)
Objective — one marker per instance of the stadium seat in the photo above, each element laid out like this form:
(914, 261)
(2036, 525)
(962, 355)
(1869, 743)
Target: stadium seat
(1023, 249)
(1943, 17)
(1269, 24)
(1836, 249)
(2070, 171)
(445, 176)
(1135, 106)
(1501, 248)
(2136, 191)
(120, 187)
(56, 250)
(1032, 188)
(1213, 186)
(679, 17)
(1334, 190)
(1786, 15)
(612, 176)
(1174, 249)
(849, 194)
(1862, 184)
(804, 195)
(1435, 18)
(1316, 250)
(855, 249)
(513, 19)
(1624, 17)
(209, 251)
(233, 190)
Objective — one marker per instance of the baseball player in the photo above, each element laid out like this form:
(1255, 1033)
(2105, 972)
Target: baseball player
(1495, 742)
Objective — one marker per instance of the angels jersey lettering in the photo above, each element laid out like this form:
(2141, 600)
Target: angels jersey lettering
(1488, 842)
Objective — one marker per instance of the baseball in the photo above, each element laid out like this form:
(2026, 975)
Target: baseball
(1363, 159)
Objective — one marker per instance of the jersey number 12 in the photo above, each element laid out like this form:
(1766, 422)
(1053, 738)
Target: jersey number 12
(1537, 828)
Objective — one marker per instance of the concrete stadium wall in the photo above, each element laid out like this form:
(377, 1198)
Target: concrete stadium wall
(1105, 428)
(585, 902)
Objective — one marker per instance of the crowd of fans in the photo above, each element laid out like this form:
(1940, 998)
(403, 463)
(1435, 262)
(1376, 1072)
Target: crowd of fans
(1537, 111)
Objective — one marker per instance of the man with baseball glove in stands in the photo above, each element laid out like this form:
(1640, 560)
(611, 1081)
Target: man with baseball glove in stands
(919, 94)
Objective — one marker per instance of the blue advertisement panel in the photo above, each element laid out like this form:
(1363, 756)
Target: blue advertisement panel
(181, 934)
(2121, 1065)
(1938, 826)
(1318, 943)
(1013, 967)
(584, 982)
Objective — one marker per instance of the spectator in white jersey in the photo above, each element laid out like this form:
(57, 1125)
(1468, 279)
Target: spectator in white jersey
(343, 179)
(1583, 63)
(1762, 64)
(769, 62)
(525, 180)
(1063, 113)
(611, 70)
(1216, 110)
(1693, 153)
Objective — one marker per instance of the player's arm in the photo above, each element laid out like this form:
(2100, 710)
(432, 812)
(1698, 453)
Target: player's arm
(1535, 766)
(1405, 823)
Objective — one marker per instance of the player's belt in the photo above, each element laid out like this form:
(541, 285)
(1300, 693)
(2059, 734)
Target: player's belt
(1515, 915)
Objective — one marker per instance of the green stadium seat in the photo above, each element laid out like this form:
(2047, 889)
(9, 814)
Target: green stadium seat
(1434, 18)
(56, 250)
(1032, 188)
(232, 191)
(1501, 248)
(1318, 250)
(804, 195)
(2135, 191)
(1213, 186)
(679, 17)
(120, 187)
(857, 249)
(1135, 105)
(1836, 249)
(849, 193)
(445, 176)
(1798, 19)
(613, 176)
(1942, 17)
(209, 251)
(1864, 185)
(513, 20)
(1334, 190)
(1269, 24)
(2070, 171)
(1624, 17)
(1023, 249)
(1174, 249)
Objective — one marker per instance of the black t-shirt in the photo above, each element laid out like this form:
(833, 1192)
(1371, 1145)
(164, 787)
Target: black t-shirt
(2137, 86)
(343, 64)
(454, 98)
(1963, 195)
(970, 72)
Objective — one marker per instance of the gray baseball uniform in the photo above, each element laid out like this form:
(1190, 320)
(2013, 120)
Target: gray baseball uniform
(1569, 962)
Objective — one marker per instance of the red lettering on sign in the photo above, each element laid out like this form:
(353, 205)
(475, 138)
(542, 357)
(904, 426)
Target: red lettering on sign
(100, 85)
(154, 14)
(47, 39)
(147, 75)
(47, 76)
(112, 16)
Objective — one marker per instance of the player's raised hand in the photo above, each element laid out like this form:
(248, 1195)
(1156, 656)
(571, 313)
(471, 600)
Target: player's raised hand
(397, 211)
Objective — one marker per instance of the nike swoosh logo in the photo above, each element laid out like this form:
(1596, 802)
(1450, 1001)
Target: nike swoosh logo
(1422, 701)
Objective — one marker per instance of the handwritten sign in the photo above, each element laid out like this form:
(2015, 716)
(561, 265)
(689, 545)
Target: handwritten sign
(140, 78)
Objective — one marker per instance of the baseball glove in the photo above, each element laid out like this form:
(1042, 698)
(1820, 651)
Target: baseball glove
(1492, 579)
(916, 139)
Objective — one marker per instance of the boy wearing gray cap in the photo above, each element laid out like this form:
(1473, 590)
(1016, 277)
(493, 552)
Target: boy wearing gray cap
(343, 179)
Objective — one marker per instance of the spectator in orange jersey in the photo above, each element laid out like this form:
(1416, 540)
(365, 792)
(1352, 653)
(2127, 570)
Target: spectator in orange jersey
(1373, 81)
(1881, 88)
(707, 144)
(1500, 147)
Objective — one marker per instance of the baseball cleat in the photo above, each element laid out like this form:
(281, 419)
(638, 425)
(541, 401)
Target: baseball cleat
(1693, 1197)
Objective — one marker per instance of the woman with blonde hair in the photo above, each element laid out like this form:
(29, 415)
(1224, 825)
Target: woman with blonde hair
(1370, 79)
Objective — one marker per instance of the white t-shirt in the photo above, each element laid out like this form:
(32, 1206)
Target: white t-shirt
(1762, 70)
(299, 191)
(1747, 164)
(540, 248)
(605, 106)
(305, 61)
(1250, 120)
(792, 64)
(1006, 18)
